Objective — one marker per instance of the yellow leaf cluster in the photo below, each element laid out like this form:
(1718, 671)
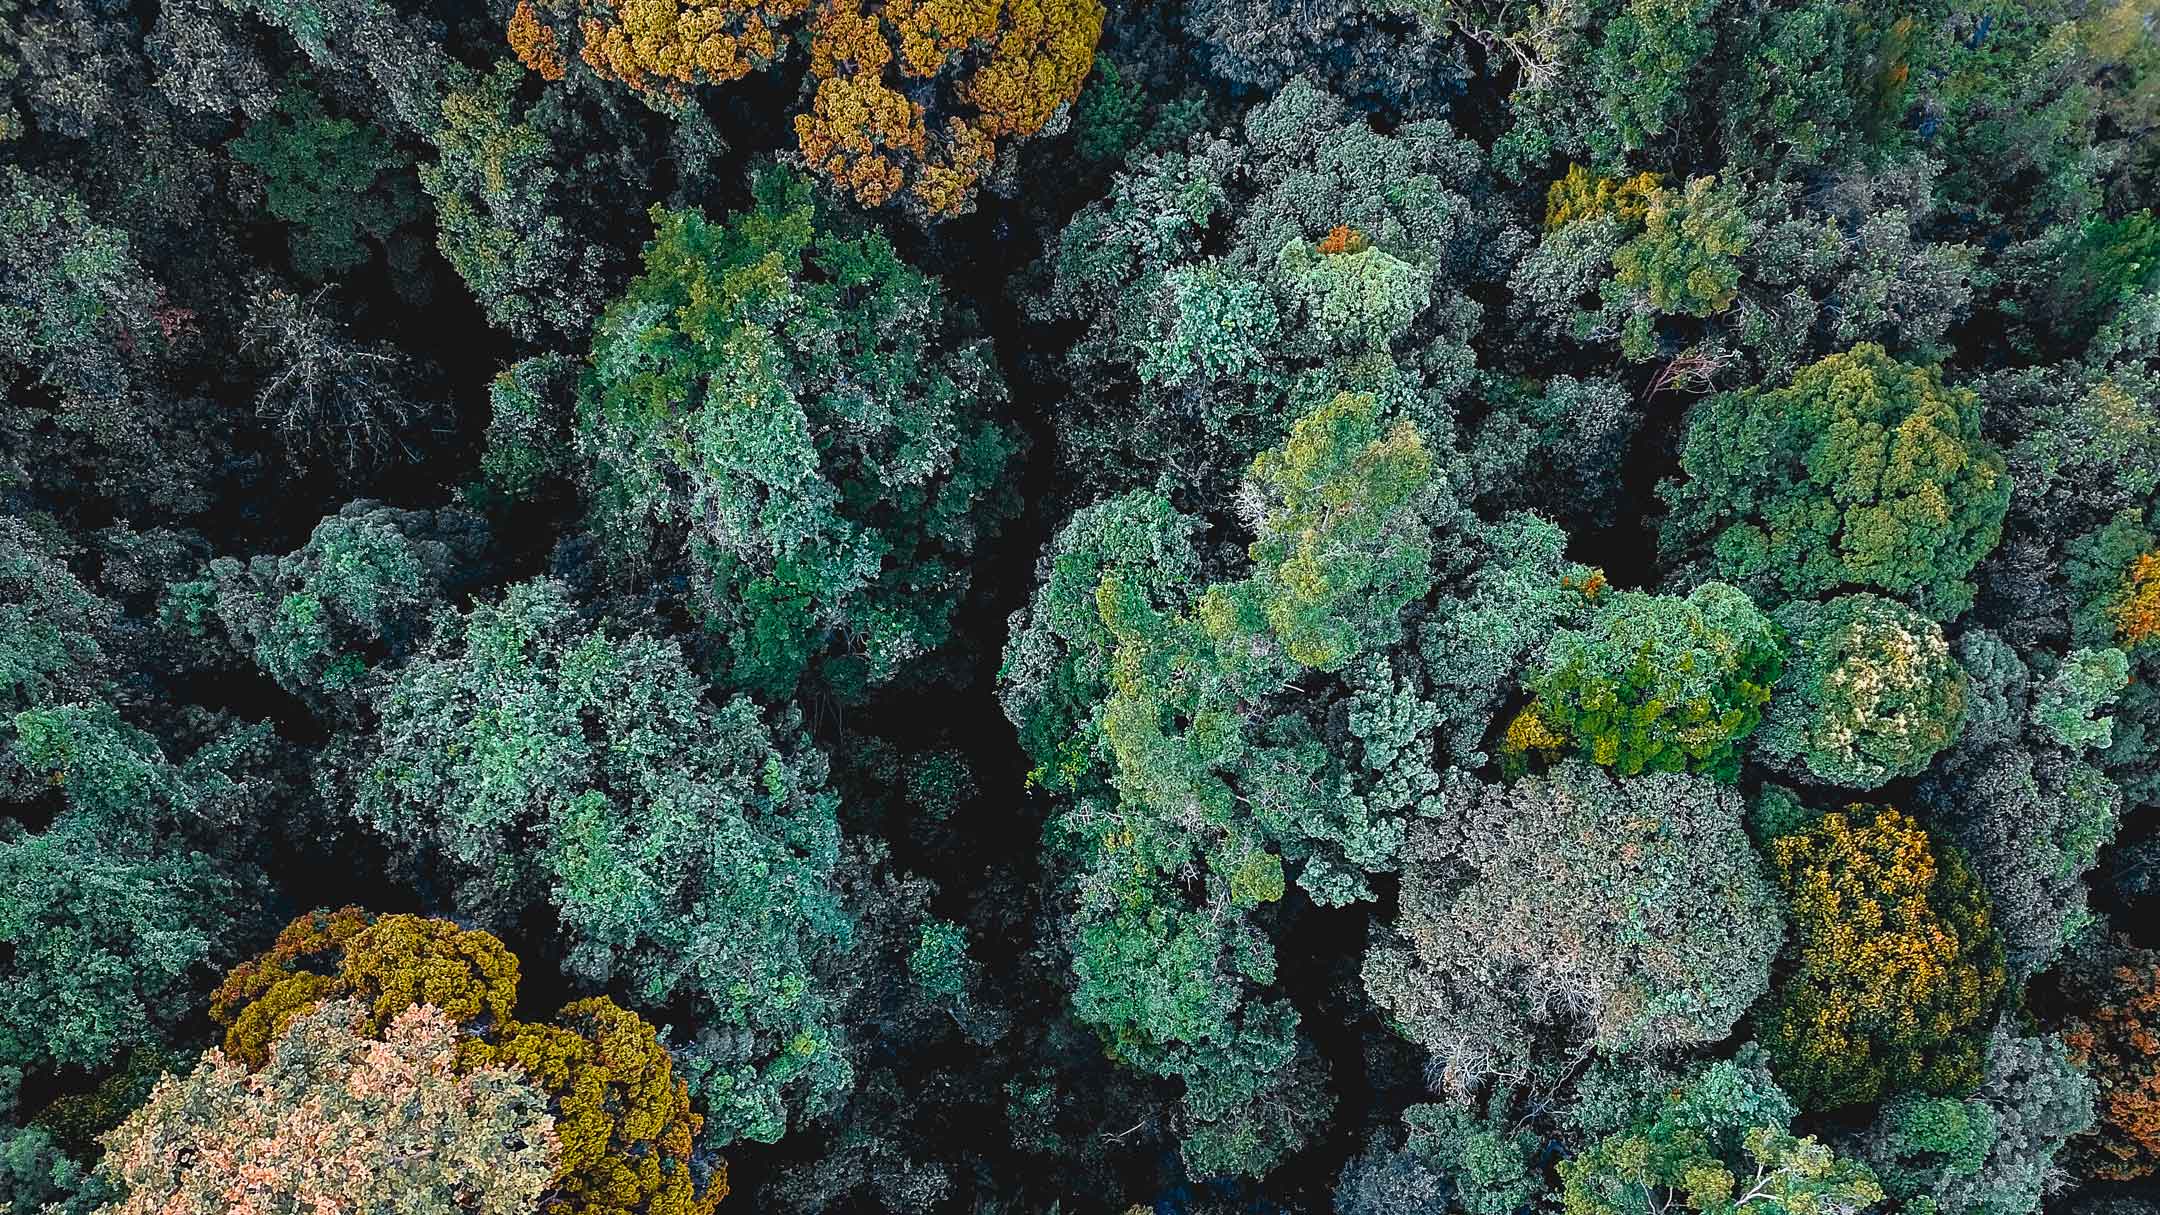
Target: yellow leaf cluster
(388, 963)
(2136, 608)
(1530, 734)
(623, 1115)
(1019, 63)
(403, 960)
(535, 44)
(658, 45)
(877, 70)
(265, 1019)
(1894, 961)
(260, 997)
(1582, 194)
(859, 133)
(1591, 585)
(1038, 59)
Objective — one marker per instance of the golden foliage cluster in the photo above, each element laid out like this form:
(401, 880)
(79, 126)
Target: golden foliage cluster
(2136, 608)
(1893, 967)
(622, 1113)
(1582, 194)
(658, 46)
(909, 100)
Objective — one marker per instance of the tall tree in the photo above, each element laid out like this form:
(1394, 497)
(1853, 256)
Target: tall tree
(804, 417)
(688, 851)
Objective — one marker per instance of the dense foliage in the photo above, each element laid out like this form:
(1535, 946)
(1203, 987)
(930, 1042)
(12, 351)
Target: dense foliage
(1660, 683)
(1722, 1144)
(794, 410)
(1241, 607)
(1629, 913)
(1864, 471)
(1872, 693)
(483, 1138)
(364, 1023)
(505, 765)
(1893, 962)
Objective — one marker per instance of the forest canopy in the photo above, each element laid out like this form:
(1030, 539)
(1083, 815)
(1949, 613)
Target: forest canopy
(1229, 607)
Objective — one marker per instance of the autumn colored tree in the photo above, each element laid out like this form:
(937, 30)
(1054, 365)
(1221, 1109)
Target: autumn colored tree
(909, 101)
(341, 1115)
(1582, 194)
(621, 1113)
(620, 1135)
(658, 47)
(2112, 1033)
(2135, 607)
(875, 125)
(1893, 966)
(383, 964)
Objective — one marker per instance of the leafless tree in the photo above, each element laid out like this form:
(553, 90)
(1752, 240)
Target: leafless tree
(351, 402)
